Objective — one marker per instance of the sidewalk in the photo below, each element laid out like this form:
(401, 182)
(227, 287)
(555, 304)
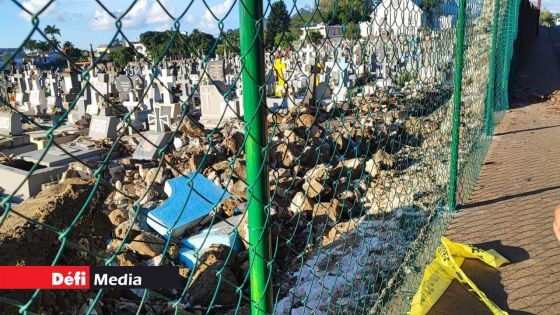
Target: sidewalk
(511, 207)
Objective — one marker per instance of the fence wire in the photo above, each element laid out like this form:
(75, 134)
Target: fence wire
(300, 163)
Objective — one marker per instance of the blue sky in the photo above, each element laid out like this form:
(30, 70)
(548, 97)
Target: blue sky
(85, 21)
(551, 5)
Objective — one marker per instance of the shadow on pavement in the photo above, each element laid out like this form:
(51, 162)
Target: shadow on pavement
(458, 300)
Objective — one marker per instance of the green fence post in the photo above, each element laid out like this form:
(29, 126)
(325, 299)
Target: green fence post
(491, 89)
(254, 104)
(456, 105)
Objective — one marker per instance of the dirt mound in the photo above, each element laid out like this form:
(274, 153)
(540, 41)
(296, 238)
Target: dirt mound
(29, 235)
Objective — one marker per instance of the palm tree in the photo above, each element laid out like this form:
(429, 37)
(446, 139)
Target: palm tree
(52, 31)
(67, 47)
(31, 45)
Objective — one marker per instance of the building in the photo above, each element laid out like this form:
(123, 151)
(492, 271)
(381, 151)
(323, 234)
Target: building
(405, 17)
(327, 31)
(18, 59)
(140, 48)
(42, 58)
(103, 48)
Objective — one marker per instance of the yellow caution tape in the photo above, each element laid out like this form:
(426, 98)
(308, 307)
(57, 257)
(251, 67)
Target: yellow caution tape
(446, 267)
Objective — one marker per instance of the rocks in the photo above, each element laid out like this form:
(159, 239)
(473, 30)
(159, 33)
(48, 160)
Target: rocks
(238, 189)
(301, 203)
(77, 170)
(146, 244)
(234, 142)
(126, 259)
(384, 159)
(316, 181)
(121, 230)
(118, 216)
(190, 128)
(154, 175)
(305, 120)
(206, 282)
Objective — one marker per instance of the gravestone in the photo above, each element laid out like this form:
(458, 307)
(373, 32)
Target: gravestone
(148, 147)
(214, 106)
(340, 90)
(216, 71)
(124, 87)
(10, 124)
(37, 102)
(103, 127)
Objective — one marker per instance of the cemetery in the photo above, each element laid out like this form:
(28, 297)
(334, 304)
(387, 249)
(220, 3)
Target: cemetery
(153, 132)
(158, 151)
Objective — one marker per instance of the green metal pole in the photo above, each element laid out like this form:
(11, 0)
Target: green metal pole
(254, 104)
(456, 106)
(491, 89)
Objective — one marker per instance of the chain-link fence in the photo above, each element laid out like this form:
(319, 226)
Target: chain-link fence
(305, 162)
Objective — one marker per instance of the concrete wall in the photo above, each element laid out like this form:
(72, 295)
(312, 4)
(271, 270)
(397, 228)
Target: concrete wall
(11, 178)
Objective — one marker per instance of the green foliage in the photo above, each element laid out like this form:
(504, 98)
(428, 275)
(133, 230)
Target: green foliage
(404, 77)
(286, 40)
(546, 19)
(229, 41)
(5, 56)
(196, 43)
(432, 8)
(201, 43)
(122, 54)
(278, 22)
(352, 31)
(345, 11)
(52, 31)
(305, 17)
(71, 52)
(314, 38)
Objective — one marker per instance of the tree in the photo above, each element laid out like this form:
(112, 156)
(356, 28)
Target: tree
(180, 45)
(31, 45)
(201, 42)
(278, 22)
(286, 40)
(352, 31)
(52, 31)
(431, 8)
(546, 19)
(337, 12)
(121, 55)
(314, 38)
(71, 52)
(156, 43)
(228, 41)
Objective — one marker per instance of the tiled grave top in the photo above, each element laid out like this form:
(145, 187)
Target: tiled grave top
(191, 198)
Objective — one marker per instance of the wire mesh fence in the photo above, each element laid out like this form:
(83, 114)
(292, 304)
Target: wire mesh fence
(304, 162)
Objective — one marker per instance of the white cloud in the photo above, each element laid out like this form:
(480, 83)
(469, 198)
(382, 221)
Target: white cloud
(209, 21)
(35, 6)
(552, 5)
(143, 13)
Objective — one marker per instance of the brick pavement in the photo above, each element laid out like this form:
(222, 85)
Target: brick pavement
(511, 206)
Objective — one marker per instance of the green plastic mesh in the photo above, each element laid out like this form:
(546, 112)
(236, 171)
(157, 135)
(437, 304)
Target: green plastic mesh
(333, 138)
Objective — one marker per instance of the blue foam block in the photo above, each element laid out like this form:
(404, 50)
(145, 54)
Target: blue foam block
(191, 198)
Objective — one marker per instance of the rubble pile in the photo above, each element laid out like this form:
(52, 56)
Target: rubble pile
(351, 186)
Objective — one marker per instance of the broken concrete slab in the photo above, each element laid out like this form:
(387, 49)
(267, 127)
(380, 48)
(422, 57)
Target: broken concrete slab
(78, 151)
(222, 233)
(148, 147)
(191, 198)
